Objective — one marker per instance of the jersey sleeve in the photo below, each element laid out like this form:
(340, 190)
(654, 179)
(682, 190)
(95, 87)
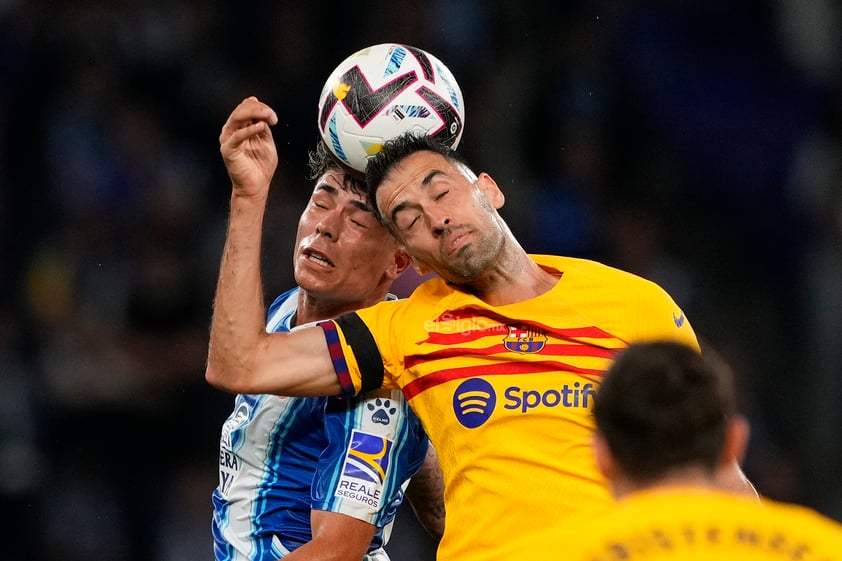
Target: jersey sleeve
(659, 317)
(361, 348)
(375, 444)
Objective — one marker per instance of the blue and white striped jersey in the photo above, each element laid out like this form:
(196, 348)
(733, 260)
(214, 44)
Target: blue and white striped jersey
(280, 457)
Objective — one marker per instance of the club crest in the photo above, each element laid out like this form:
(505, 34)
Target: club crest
(524, 339)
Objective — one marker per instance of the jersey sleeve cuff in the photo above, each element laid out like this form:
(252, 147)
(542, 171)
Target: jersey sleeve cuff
(334, 345)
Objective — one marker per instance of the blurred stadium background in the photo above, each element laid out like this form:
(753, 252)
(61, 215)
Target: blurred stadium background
(696, 143)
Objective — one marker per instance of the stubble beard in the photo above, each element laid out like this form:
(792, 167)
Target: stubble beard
(474, 259)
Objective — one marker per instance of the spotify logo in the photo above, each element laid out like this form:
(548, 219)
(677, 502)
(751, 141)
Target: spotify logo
(473, 402)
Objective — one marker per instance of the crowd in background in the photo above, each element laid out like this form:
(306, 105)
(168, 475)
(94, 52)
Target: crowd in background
(698, 144)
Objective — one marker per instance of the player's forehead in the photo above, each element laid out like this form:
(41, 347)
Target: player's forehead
(411, 176)
(335, 183)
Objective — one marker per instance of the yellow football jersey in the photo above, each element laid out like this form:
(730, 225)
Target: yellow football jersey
(699, 525)
(505, 392)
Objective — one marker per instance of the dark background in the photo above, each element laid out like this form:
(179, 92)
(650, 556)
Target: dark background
(696, 143)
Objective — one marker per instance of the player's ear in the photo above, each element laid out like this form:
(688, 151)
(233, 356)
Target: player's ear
(401, 261)
(736, 440)
(399, 264)
(491, 190)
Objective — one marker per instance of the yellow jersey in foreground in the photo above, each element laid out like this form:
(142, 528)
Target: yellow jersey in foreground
(702, 525)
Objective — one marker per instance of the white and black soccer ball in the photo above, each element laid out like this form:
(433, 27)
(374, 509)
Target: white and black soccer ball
(383, 91)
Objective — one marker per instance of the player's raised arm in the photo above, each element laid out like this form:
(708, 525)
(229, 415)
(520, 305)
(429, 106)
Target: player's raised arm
(242, 357)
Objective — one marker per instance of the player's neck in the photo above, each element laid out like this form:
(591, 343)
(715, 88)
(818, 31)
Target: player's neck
(311, 308)
(695, 477)
(513, 278)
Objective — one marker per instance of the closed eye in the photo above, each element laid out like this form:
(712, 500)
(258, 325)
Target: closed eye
(362, 217)
(412, 223)
(405, 215)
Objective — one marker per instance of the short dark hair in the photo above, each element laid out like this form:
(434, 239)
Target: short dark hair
(321, 160)
(395, 150)
(662, 405)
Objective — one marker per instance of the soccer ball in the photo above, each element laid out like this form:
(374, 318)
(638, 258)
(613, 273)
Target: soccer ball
(383, 91)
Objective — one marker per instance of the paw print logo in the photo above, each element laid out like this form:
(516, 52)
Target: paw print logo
(383, 411)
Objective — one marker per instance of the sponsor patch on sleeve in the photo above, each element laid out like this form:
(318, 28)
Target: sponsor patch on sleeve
(364, 469)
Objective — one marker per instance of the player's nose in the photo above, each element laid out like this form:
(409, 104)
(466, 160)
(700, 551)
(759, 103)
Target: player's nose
(440, 220)
(330, 225)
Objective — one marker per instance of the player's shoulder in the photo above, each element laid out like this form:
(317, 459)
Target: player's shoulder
(801, 522)
(577, 265)
(281, 310)
(282, 299)
(431, 290)
(578, 270)
(801, 515)
(696, 511)
(429, 293)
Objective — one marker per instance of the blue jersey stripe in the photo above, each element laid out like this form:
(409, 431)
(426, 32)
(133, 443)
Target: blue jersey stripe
(280, 457)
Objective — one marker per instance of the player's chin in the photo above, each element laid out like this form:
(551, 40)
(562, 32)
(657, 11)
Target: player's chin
(314, 277)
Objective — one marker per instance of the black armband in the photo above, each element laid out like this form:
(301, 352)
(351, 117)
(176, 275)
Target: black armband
(359, 338)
